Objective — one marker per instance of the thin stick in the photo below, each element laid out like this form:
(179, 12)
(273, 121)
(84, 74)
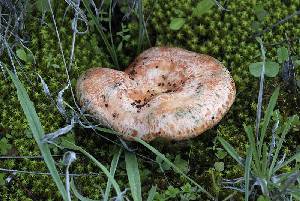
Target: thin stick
(279, 23)
(26, 157)
(48, 173)
(261, 88)
(62, 51)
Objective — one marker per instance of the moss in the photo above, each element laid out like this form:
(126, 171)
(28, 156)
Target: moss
(229, 36)
(49, 65)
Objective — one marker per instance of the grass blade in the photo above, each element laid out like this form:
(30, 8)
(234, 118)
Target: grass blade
(38, 132)
(133, 176)
(77, 194)
(110, 48)
(264, 161)
(291, 159)
(286, 129)
(267, 117)
(229, 197)
(250, 134)
(175, 168)
(231, 151)
(107, 130)
(151, 193)
(70, 145)
(296, 195)
(113, 167)
(247, 172)
(157, 153)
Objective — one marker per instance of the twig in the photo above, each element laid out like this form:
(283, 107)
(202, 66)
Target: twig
(261, 88)
(26, 157)
(62, 51)
(48, 173)
(278, 23)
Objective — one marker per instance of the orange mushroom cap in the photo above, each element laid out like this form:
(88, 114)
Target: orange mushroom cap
(170, 93)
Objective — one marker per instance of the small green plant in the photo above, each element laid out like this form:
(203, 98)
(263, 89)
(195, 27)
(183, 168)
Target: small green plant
(178, 161)
(2, 179)
(24, 56)
(265, 161)
(282, 54)
(271, 68)
(125, 36)
(201, 8)
(177, 23)
(5, 146)
(185, 192)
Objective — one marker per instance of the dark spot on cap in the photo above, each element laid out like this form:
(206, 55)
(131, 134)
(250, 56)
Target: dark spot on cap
(199, 86)
(132, 72)
(156, 66)
(115, 115)
(117, 84)
(106, 105)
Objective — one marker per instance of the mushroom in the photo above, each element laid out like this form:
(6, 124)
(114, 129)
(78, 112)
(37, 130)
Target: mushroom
(166, 92)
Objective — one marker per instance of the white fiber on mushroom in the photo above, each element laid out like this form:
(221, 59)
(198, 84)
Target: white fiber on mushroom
(166, 92)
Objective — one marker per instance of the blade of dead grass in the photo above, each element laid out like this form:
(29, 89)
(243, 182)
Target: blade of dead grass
(72, 146)
(38, 132)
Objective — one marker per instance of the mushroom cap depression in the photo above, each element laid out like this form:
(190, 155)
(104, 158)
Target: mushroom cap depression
(169, 93)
